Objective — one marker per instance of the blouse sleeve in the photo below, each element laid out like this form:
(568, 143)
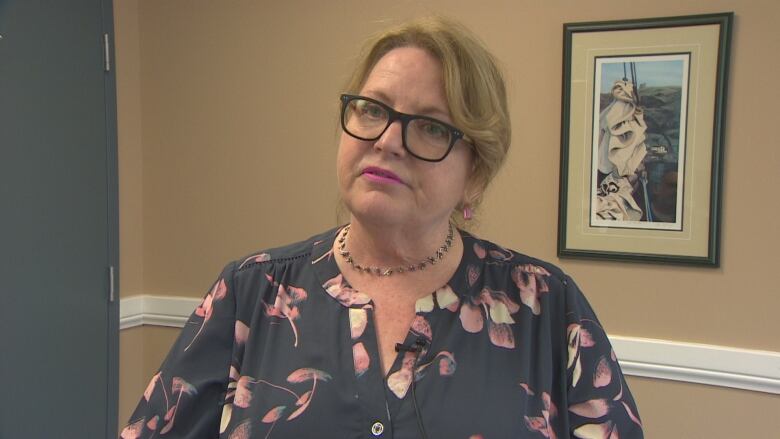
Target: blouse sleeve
(184, 398)
(600, 404)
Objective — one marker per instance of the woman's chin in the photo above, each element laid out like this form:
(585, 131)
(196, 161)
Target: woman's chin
(379, 212)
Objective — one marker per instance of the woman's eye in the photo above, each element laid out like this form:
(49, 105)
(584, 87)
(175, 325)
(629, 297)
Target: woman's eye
(434, 129)
(371, 110)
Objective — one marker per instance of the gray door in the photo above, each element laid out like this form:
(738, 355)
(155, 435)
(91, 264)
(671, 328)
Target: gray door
(58, 218)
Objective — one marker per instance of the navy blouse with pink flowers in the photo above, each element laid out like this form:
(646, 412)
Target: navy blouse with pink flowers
(283, 347)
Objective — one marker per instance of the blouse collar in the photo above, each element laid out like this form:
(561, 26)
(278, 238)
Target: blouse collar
(463, 283)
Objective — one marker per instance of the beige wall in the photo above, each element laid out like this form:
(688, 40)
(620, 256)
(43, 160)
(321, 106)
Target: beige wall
(142, 349)
(227, 143)
(130, 150)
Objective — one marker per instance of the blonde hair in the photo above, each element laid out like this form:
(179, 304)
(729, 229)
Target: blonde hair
(473, 84)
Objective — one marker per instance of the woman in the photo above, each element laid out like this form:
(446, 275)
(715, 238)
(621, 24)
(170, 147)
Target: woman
(398, 325)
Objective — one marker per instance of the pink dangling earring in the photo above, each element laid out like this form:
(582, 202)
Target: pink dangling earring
(467, 213)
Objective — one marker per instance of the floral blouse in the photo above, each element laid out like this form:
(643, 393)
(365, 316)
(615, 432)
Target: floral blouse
(283, 347)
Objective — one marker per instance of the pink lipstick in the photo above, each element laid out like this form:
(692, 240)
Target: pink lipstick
(380, 175)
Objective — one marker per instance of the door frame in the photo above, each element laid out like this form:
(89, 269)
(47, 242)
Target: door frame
(112, 164)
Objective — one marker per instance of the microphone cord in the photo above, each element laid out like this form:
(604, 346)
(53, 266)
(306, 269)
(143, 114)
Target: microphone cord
(419, 344)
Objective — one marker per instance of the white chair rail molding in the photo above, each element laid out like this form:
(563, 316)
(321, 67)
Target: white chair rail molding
(723, 366)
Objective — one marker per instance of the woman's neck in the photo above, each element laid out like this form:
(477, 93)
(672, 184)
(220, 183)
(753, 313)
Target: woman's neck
(385, 248)
(394, 246)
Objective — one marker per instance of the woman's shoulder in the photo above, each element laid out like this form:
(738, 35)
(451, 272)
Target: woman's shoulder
(497, 258)
(258, 275)
(293, 253)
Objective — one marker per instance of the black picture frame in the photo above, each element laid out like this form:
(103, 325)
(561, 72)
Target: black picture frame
(642, 130)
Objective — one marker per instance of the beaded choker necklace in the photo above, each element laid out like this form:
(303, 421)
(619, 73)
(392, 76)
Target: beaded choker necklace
(382, 271)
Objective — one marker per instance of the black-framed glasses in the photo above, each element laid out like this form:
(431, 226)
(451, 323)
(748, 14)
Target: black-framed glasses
(423, 137)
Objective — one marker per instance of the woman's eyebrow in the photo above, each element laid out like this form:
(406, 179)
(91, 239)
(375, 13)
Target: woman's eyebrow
(427, 110)
(378, 95)
(434, 111)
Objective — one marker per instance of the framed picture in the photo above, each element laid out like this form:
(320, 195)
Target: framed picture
(642, 138)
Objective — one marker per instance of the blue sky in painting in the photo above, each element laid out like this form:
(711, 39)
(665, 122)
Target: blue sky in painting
(650, 73)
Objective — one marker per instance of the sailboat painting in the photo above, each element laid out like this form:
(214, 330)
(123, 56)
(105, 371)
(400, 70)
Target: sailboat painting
(639, 141)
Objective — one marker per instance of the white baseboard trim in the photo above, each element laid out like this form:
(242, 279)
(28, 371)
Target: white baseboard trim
(644, 357)
(156, 310)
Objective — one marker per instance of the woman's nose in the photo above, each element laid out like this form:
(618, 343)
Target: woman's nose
(391, 141)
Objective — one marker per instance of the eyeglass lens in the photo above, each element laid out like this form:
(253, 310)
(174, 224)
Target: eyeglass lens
(424, 137)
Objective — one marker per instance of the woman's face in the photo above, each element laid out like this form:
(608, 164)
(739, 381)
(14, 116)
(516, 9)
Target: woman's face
(379, 180)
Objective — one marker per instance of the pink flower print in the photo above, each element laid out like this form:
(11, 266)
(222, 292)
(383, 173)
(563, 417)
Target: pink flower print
(498, 255)
(424, 304)
(400, 380)
(133, 431)
(603, 373)
(182, 388)
(242, 431)
(227, 413)
(358, 319)
(303, 402)
(574, 353)
(527, 389)
(594, 408)
(327, 255)
(420, 326)
(150, 388)
(606, 430)
(152, 424)
(307, 374)
(241, 332)
(538, 424)
(446, 298)
(501, 335)
(619, 397)
(445, 361)
(550, 411)
(205, 309)
(218, 292)
(471, 318)
(230, 396)
(473, 274)
(586, 339)
(286, 305)
(541, 424)
(531, 281)
(340, 290)
(631, 414)
(360, 358)
(262, 257)
(271, 417)
(548, 405)
(303, 375)
(243, 395)
(578, 337)
(479, 251)
(446, 364)
(498, 309)
(232, 383)
(498, 305)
